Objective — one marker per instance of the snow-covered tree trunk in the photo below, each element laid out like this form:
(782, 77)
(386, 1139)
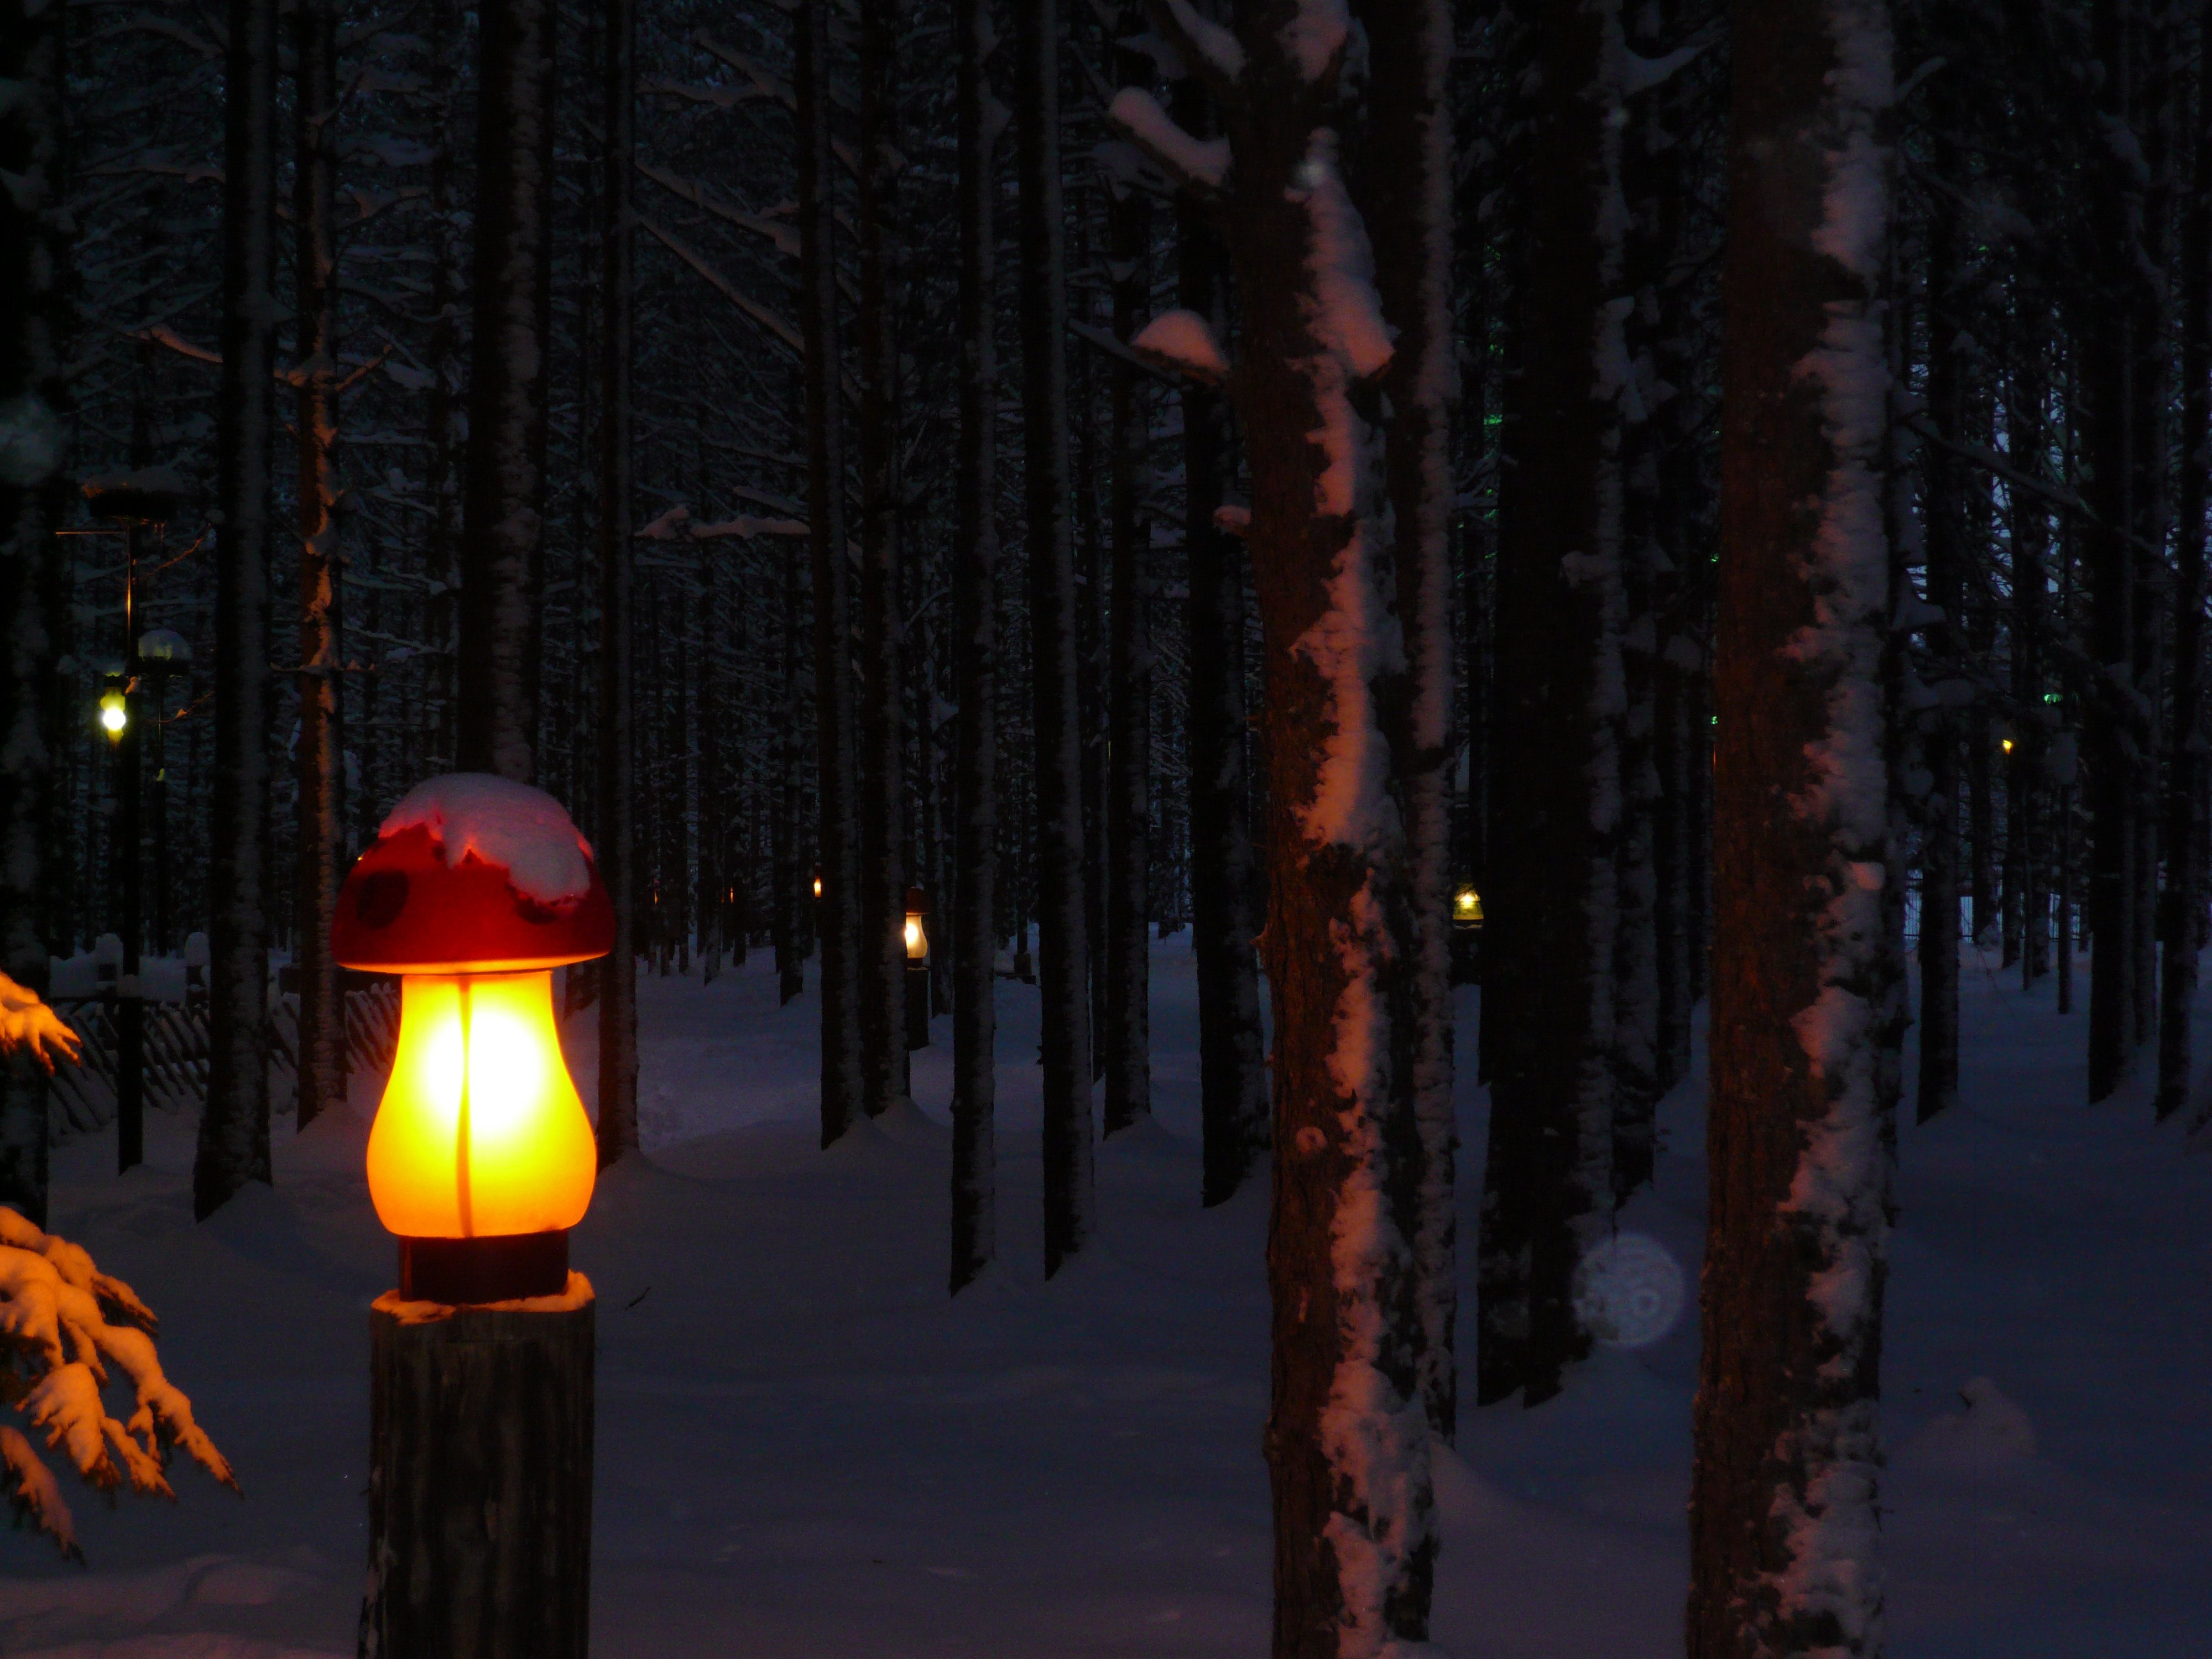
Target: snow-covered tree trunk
(2109, 341)
(882, 726)
(1347, 1436)
(617, 846)
(837, 911)
(1784, 1513)
(503, 508)
(1405, 193)
(1063, 947)
(2185, 871)
(234, 1136)
(1126, 1037)
(319, 810)
(36, 406)
(1557, 703)
(974, 934)
(1225, 903)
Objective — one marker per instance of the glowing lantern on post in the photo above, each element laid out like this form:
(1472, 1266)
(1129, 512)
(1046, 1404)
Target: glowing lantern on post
(917, 968)
(1466, 934)
(482, 1157)
(1467, 907)
(114, 709)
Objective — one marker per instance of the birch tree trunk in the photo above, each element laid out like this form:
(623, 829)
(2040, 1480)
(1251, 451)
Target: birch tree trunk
(35, 411)
(1126, 1037)
(837, 911)
(883, 724)
(1063, 950)
(1406, 199)
(321, 809)
(233, 1137)
(1224, 905)
(975, 668)
(618, 711)
(1555, 803)
(1783, 1508)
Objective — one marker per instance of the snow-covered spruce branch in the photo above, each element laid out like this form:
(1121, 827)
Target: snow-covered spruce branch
(1201, 165)
(63, 1324)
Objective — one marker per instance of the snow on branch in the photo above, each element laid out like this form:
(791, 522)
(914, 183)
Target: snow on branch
(1640, 74)
(1183, 341)
(768, 85)
(1208, 50)
(784, 236)
(1200, 165)
(62, 1323)
(753, 308)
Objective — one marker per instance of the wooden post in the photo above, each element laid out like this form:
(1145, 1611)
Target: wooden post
(480, 1479)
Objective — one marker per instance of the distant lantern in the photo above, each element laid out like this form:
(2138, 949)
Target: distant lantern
(917, 931)
(481, 1158)
(817, 881)
(114, 709)
(917, 969)
(1467, 906)
(2007, 745)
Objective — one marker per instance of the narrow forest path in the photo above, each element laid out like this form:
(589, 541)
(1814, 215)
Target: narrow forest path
(806, 1453)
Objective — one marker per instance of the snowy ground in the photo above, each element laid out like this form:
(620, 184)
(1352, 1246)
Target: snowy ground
(806, 1451)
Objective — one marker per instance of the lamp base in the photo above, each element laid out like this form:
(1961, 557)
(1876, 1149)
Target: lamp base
(461, 1271)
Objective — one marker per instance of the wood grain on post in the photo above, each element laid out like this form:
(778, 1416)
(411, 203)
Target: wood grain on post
(480, 1479)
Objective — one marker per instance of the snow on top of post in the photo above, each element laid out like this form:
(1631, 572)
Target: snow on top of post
(1316, 35)
(508, 825)
(1184, 341)
(1201, 162)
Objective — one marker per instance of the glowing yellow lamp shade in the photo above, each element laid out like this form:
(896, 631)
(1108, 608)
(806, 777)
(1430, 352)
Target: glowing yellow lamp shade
(1467, 905)
(481, 1132)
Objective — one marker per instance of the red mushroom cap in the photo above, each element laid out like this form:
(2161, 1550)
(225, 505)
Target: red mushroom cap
(404, 910)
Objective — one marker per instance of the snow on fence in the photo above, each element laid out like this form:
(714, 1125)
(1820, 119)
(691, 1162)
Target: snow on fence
(82, 1099)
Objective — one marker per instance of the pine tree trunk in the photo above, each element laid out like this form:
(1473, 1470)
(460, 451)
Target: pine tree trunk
(35, 331)
(837, 912)
(320, 811)
(503, 533)
(2108, 344)
(446, 459)
(1783, 1508)
(1063, 950)
(1126, 1037)
(1406, 201)
(2185, 874)
(1225, 907)
(2027, 787)
(1551, 912)
(882, 687)
(617, 710)
(976, 667)
(233, 1138)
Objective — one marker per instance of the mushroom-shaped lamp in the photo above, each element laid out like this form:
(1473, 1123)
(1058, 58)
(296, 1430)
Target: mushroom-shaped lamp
(482, 1157)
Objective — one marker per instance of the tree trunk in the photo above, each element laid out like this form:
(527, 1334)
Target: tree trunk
(321, 809)
(233, 1138)
(1783, 1505)
(1224, 905)
(1552, 906)
(883, 688)
(976, 667)
(618, 711)
(1063, 950)
(35, 331)
(1126, 1037)
(837, 911)
(1406, 201)
(446, 458)
(2185, 875)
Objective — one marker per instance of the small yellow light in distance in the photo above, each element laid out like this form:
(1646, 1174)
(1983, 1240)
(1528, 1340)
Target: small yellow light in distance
(2007, 745)
(917, 946)
(113, 715)
(817, 887)
(513, 1152)
(1467, 905)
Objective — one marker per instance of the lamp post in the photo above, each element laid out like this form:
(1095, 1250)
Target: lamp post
(481, 1159)
(1466, 934)
(917, 969)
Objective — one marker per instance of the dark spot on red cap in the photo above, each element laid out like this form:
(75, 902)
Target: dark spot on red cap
(380, 898)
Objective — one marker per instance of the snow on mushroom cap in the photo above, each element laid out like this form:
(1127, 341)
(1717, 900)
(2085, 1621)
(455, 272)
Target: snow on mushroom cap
(509, 825)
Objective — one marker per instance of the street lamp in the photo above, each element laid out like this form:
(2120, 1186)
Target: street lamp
(114, 709)
(917, 969)
(1466, 934)
(481, 1159)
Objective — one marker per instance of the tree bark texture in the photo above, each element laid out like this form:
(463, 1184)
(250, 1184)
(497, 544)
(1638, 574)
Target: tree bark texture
(1127, 1035)
(1063, 950)
(1347, 1436)
(320, 820)
(233, 1135)
(35, 411)
(883, 722)
(1406, 198)
(1224, 903)
(503, 523)
(1784, 1506)
(1557, 703)
(976, 667)
(479, 1480)
(837, 912)
(617, 733)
